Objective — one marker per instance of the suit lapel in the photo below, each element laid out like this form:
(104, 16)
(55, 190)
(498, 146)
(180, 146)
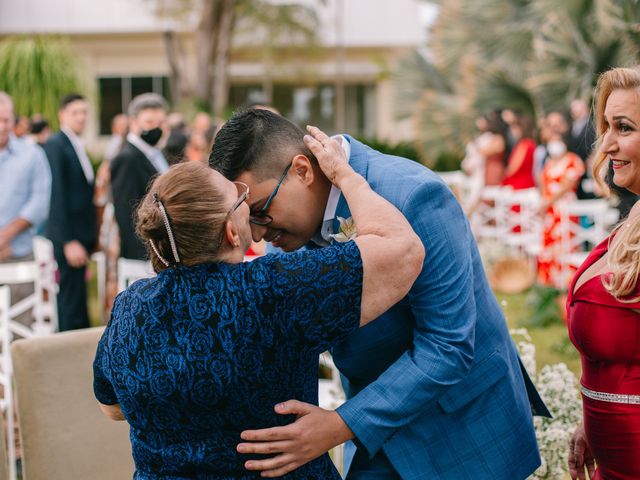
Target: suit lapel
(71, 153)
(144, 160)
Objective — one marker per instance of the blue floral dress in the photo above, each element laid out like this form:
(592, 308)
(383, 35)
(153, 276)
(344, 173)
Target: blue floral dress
(198, 354)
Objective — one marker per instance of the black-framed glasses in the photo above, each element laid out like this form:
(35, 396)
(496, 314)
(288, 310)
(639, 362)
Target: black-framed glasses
(243, 194)
(261, 217)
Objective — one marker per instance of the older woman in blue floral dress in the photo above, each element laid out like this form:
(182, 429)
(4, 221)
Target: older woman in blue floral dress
(208, 347)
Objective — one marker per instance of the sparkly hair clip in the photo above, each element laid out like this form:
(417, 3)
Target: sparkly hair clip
(164, 261)
(165, 219)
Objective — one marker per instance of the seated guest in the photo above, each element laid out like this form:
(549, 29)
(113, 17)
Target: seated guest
(25, 189)
(136, 164)
(208, 347)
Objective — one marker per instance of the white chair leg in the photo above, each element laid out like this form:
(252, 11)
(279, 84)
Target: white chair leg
(7, 377)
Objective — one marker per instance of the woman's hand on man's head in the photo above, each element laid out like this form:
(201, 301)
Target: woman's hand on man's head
(329, 153)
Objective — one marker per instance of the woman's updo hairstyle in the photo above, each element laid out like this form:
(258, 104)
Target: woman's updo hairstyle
(196, 212)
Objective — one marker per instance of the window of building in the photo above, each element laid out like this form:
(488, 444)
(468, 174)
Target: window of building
(117, 92)
(316, 105)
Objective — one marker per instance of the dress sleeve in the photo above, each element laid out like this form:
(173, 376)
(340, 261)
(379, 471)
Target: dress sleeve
(102, 387)
(313, 296)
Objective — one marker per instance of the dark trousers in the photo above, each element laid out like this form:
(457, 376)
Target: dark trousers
(72, 297)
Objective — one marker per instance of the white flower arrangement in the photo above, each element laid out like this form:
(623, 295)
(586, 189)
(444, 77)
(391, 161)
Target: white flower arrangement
(557, 387)
(347, 230)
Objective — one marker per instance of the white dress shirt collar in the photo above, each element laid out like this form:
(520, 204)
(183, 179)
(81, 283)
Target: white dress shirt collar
(326, 230)
(78, 145)
(154, 154)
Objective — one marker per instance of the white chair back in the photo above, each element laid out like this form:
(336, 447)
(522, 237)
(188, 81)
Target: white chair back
(45, 311)
(486, 219)
(6, 376)
(42, 304)
(131, 270)
(519, 220)
(583, 224)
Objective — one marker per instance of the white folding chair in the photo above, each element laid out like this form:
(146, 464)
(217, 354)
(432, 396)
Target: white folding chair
(6, 403)
(584, 224)
(131, 270)
(487, 217)
(519, 220)
(42, 304)
(46, 288)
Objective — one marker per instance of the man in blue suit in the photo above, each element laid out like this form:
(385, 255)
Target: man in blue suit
(435, 386)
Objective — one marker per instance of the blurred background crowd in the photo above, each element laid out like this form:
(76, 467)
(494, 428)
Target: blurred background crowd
(99, 97)
(507, 107)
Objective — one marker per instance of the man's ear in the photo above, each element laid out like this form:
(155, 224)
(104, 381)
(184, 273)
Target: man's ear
(303, 169)
(231, 233)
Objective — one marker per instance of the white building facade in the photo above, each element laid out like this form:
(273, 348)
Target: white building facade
(120, 47)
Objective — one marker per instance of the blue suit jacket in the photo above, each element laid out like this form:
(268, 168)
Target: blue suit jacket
(436, 382)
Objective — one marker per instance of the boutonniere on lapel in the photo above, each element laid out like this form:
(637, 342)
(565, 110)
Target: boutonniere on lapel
(347, 230)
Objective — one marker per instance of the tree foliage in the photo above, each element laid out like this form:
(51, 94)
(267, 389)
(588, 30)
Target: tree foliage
(528, 55)
(37, 72)
(272, 26)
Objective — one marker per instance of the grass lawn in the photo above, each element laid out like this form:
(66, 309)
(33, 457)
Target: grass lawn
(552, 342)
(95, 315)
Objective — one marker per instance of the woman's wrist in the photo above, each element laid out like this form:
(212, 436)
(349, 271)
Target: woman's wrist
(348, 179)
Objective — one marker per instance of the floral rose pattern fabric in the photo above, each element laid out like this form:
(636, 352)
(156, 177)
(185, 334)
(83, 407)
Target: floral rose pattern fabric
(198, 354)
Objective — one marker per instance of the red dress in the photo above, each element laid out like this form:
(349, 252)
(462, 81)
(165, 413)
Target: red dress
(551, 270)
(607, 334)
(523, 177)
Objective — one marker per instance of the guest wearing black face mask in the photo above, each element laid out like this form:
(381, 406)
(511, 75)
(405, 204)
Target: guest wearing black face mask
(135, 166)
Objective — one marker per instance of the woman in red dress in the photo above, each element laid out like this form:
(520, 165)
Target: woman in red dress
(519, 174)
(558, 183)
(604, 302)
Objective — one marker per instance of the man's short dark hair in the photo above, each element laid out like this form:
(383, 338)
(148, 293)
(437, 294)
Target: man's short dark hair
(259, 141)
(70, 98)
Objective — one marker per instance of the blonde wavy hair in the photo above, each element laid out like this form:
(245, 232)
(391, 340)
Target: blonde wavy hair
(624, 248)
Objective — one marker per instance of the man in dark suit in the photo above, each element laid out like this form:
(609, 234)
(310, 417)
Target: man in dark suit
(72, 216)
(134, 167)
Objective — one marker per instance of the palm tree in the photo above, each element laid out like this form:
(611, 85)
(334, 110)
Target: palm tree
(37, 72)
(528, 55)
